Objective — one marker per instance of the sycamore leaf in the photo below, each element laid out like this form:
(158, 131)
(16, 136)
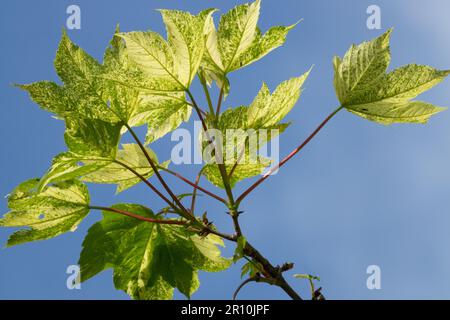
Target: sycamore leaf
(79, 72)
(251, 268)
(115, 173)
(149, 260)
(237, 30)
(92, 137)
(57, 209)
(246, 129)
(115, 92)
(268, 110)
(66, 166)
(131, 93)
(124, 101)
(106, 170)
(389, 112)
(262, 45)
(171, 65)
(364, 88)
(64, 102)
(239, 252)
(93, 124)
(241, 172)
(50, 97)
(238, 42)
(155, 57)
(186, 34)
(162, 113)
(238, 154)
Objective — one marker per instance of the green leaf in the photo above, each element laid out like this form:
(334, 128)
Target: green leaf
(124, 100)
(171, 65)
(262, 45)
(57, 209)
(115, 173)
(238, 42)
(92, 137)
(251, 268)
(240, 157)
(93, 122)
(186, 35)
(237, 30)
(241, 172)
(163, 114)
(365, 89)
(257, 124)
(306, 276)
(149, 260)
(50, 97)
(68, 165)
(362, 66)
(239, 252)
(268, 110)
(389, 112)
(131, 94)
(80, 73)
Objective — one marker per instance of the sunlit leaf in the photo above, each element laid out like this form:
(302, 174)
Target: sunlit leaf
(365, 89)
(149, 260)
(55, 210)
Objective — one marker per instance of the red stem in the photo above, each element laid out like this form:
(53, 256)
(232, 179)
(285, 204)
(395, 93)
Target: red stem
(151, 186)
(293, 153)
(195, 185)
(155, 169)
(136, 216)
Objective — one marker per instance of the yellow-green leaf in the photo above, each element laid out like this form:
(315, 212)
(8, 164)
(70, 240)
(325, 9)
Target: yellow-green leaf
(365, 89)
(55, 210)
(149, 260)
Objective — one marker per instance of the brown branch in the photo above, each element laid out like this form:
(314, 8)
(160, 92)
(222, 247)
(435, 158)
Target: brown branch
(245, 282)
(274, 272)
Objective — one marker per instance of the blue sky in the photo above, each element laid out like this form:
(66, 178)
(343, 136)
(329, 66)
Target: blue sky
(361, 194)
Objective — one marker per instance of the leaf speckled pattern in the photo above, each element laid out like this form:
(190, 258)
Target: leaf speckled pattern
(238, 42)
(264, 113)
(149, 260)
(364, 88)
(115, 173)
(46, 214)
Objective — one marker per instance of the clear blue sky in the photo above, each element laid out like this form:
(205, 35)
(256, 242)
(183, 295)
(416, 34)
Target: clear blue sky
(360, 194)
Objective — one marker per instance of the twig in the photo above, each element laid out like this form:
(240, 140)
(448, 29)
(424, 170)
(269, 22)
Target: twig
(195, 185)
(194, 192)
(293, 153)
(136, 216)
(149, 184)
(155, 169)
(218, 153)
(219, 102)
(247, 281)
